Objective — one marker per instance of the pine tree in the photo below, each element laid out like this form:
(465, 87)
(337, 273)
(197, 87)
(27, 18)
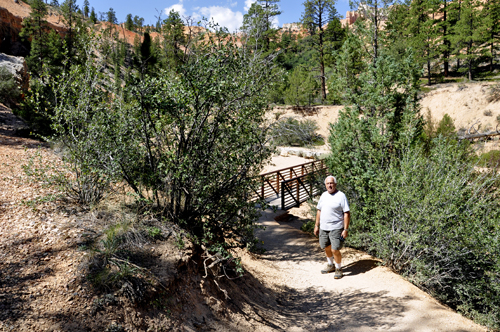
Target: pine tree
(396, 38)
(316, 14)
(129, 23)
(374, 13)
(270, 11)
(86, 8)
(491, 18)
(138, 22)
(111, 16)
(173, 38)
(444, 41)
(422, 32)
(334, 38)
(34, 27)
(93, 17)
(254, 26)
(69, 12)
(469, 34)
(303, 87)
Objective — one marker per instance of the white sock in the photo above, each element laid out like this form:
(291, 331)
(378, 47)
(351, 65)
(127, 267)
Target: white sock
(330, 260)
(338, 265)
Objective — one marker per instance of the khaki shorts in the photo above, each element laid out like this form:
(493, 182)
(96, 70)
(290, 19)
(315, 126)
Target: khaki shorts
(332, 238)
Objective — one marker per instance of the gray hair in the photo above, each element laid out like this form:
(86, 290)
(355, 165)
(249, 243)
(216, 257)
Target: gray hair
(331, 176)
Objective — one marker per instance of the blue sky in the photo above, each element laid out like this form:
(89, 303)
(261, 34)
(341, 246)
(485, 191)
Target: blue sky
(228, 13)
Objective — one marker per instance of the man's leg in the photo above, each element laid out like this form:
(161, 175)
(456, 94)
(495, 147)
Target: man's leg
(337, 256)
(329, 255)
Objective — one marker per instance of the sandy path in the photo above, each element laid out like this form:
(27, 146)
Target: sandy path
(368, 298)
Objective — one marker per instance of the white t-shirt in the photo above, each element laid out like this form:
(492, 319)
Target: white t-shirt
(332, 207)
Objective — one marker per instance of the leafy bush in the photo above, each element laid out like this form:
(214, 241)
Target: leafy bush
(422, 208)
(446, 127)
(436, 222)
(490, 159)
(187, 142)
(292, 132)
(9, 89)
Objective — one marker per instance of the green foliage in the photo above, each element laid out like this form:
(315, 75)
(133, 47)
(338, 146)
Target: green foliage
(93, 17)
(292, 132)
(422, 208)
(436, 222)
(316, 14)
(111, 16)
(9, 89)
(446, 127)
(191, 141)
(490, 159)
(154, 232)
(302, 87)
(258, 25)
(469, 35)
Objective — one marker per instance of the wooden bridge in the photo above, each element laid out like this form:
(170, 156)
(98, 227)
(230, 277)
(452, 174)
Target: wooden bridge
(292, 185)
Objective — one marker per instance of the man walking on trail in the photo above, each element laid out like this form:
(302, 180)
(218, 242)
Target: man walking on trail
(332, 223)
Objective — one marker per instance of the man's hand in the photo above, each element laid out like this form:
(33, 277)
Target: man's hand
(316, 230)
(345, 233)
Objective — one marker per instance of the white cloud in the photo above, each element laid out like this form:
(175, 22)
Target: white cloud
(179, 7)
(233, 4)
(248, 4)
(275, 22)
(224, 16)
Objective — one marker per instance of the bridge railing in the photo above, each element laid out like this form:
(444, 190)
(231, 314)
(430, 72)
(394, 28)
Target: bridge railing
(271, 181)
(300, 189)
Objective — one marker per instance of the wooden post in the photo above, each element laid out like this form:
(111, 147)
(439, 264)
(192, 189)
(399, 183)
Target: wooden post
(262, 187)
(283, 197)
(298, 192)
(278, 181)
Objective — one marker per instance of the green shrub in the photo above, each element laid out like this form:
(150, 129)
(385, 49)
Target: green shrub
(489, 159)
(292, 132)
(188, 141)
(9, 89)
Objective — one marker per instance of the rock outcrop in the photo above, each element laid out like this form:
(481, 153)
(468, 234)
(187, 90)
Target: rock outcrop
(17, 67)
(11, 19)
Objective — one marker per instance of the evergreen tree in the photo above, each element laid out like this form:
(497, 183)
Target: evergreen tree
(491, 18)
(55, 56)
(86, 5)
(93, 17)
(138, 22)
(129, 23)
(270, 11)
(373, 13)
(34, 27)
(111, 16)
(469, 34)
(444, 40)
(69, 12)
(396, 30)
(334, 38)
(316, 14)
(380, 119)
(303, 87)
(422, 32)
(54, 3)
(254, 26)
(173, 39)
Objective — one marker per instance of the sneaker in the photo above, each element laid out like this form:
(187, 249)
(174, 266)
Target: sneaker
(328, 268)
(338, 274)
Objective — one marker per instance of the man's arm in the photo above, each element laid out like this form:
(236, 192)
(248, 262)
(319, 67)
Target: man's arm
(347, 220)
(316, 226)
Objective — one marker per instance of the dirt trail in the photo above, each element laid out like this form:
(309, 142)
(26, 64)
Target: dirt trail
(369, 297)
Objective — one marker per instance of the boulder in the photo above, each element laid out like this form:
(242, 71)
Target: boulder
(16, 65)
